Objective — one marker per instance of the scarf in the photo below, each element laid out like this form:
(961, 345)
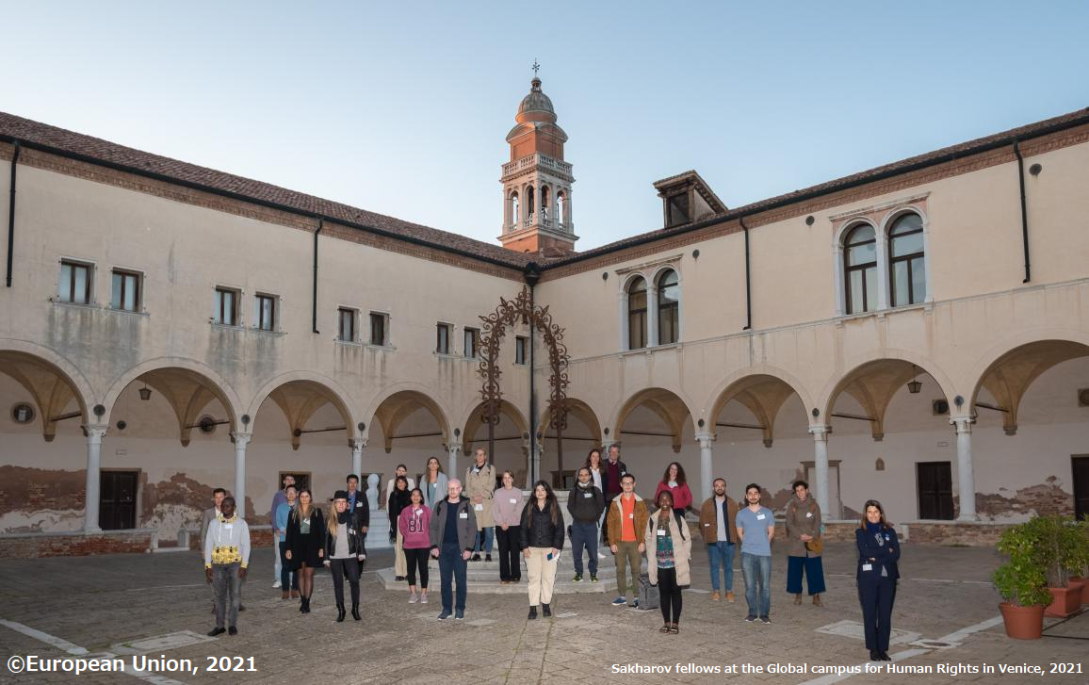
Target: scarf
(342, 516)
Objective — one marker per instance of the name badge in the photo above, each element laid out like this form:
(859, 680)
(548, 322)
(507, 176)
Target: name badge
(661, 532)
(587, 494)
(887, 537)
(358, 504)
(513, 500)
(809, 514)
(867, 567)
(760, 517)
(707, 525)
(463, 515)
(478, 507)
(631, 515)
(419, 512)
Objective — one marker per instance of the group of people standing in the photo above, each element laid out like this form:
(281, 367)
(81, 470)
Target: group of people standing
(455, 521)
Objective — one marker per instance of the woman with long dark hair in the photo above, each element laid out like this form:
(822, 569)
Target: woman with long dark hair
(593, 463)
(305, 544)
(674, 482)
(669, 549)
(542, 540)
(414, 525)
(433, 483)
(398, 500)
(878, 552)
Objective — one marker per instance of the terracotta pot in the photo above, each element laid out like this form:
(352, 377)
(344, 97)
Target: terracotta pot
(1022, 623)
(1081, 583)
(1065, 601)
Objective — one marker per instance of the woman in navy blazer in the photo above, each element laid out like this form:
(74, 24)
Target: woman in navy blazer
(878, 552)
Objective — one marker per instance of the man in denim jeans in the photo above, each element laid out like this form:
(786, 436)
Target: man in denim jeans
(585, 504)
(718, 517)
(756, 528)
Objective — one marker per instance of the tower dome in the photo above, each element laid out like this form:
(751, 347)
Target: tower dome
(536, 106)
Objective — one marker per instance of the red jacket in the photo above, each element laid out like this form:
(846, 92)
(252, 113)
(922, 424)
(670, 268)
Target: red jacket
(682, 496)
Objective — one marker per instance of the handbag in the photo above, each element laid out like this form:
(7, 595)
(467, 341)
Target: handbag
(816, 545)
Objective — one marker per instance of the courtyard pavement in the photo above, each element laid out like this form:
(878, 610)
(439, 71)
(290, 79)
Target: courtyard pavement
(54, 608)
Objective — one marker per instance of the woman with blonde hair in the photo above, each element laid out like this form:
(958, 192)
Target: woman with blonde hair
(344, 551)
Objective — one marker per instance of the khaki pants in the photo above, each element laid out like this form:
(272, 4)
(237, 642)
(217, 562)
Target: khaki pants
(400, 566)
(542, 575)
(627, 554)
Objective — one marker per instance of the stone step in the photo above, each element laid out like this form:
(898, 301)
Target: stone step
(492, 587)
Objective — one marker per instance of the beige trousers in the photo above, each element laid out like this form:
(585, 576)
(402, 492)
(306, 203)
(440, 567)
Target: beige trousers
(400, 566)
(542, 575)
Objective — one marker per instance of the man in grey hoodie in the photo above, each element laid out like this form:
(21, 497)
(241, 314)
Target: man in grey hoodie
(585, 504)
(453, 535)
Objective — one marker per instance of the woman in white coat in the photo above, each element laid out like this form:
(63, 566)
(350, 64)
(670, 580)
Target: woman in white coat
(669, 551)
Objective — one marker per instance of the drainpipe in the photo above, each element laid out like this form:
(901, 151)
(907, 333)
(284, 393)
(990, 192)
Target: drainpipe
(532, 276)
(314, 304)
(1024, 207)
(11, 212)
(748, 278)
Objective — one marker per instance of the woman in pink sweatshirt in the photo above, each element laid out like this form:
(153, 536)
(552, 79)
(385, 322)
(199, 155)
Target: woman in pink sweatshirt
(415, 526)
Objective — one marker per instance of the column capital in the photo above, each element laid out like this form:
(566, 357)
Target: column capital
(962, 424)
(358, 444)
(453, 447)
(820, 432)
(705, 439)
(95, 431)
(241, 439)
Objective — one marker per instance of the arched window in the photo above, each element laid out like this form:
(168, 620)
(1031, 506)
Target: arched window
(545, 201)
(860, 269)
(669, 308)
(529, 202)
(637, 314)
(514, 216)
(561, 208)
(907, 267)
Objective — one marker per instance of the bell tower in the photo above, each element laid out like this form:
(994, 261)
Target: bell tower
(536, 181)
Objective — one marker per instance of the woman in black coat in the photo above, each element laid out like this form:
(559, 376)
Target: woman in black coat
(344, 552)
(878, 552)
(305, 543)
(542, 540)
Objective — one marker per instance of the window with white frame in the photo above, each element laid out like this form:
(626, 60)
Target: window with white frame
(860, 269)
(443, 333)
(521, 350)
(346, 318)
(907, 260)
(472, 342)
(669, 308)
(637, 313)
(125, 294)
(75, 283)
(225, 308)
(379, 329)
(264, 311)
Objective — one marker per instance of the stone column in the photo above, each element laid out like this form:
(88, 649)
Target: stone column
(652, 314)
(965, 471)
(452, 464)
(357, 455)
(707, 455)
(820, 456)
(240, 442)
(93, 492)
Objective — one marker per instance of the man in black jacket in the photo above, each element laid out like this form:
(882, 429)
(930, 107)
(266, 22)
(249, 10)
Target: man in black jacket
(585, 503)
(453, 535)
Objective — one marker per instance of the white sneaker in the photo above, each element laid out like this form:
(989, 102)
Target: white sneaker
(276, 584)
(601, 556)
(412, 598)
(423, 598)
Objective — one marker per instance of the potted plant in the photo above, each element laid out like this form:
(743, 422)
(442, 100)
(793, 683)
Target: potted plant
(1022, 581)
(1080, 558)
(1061, 550)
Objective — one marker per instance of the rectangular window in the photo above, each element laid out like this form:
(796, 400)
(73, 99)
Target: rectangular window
(226, 307)
(472, 342)
(264, 313)
(126, 291)
(379, 329)
(521, 350)
(637, 329)
(443, 334)
(75, 282)
(346, 324)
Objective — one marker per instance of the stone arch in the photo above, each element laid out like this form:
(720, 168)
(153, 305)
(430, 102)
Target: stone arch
(472, 423)
(669, 405)
(52, 381)
(300, 394)
(188, 387)
(762, 391)
(873, 380)
(580, 409)
(396, 404)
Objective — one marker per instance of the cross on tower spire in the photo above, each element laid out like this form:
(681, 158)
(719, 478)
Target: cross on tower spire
(536, 67)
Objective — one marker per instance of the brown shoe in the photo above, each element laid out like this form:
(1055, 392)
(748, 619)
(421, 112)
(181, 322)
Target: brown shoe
(285, 594)
(715, 596)
(798, 598)
(674, 629)
(664, 629)
(817, 601)
(729, 597)
(294, 594)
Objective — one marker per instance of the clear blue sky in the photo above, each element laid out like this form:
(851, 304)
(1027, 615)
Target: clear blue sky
(402, 107)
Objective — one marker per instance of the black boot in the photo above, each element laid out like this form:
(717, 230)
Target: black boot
(547, 610)
(306, 605)
(341, 613)
(532, 614)
(302, 605)
(355, 612)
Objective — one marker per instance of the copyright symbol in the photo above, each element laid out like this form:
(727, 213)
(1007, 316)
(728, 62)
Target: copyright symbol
(15, 664)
